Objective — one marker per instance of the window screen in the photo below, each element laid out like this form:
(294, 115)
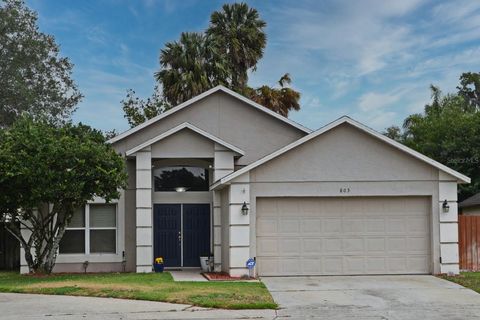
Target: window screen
(102, 216)
(73, 241)
(78, 219)
(102, 241)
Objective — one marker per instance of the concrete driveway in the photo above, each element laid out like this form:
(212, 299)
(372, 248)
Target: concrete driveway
(372, 298)
(15, 306)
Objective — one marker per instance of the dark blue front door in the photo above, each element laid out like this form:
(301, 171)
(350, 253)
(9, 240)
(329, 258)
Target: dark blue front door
(196, 233)
(182, 233)
(167, 239)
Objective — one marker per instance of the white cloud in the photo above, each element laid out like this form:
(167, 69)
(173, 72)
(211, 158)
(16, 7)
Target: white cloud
(357, 32)
(373, 101)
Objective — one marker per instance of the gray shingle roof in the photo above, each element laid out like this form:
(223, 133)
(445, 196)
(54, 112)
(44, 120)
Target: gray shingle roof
(470, 202)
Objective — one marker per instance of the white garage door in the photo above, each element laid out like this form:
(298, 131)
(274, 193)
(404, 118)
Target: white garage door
(343, 236)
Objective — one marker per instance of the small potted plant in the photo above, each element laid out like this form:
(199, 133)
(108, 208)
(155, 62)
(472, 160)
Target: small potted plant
(158, 265)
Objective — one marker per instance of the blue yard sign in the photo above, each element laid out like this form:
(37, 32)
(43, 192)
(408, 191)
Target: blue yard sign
(251, 263)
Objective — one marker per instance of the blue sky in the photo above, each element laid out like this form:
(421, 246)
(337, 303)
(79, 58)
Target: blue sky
(371, 60)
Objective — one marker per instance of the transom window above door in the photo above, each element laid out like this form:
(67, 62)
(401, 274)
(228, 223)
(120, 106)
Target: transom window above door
(180, 179)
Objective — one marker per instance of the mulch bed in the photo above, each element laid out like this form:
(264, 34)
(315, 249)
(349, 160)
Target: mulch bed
(223, 276)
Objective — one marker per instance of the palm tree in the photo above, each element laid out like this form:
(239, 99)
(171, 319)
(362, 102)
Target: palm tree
(236, 33)
(184, 68)
(281, 100)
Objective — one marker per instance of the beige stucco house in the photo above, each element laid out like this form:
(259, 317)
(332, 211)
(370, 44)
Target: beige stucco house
(222, 175)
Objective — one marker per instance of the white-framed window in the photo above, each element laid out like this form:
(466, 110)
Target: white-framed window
(92, 230)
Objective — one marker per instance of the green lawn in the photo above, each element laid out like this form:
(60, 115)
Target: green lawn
(153, 286)
(467, 279)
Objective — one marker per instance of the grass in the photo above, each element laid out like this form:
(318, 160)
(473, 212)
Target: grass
(469, 280)
(152, 287)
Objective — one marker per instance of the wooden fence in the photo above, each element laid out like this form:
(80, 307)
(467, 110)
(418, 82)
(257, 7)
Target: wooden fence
(469, 242)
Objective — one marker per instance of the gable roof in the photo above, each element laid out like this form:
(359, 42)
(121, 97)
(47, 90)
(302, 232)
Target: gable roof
(470, 202)
(200, 97)
(345, 119)
(182, 126)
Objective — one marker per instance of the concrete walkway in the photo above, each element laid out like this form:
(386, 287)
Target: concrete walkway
(373, 298)
(187, 275)
(30, 306)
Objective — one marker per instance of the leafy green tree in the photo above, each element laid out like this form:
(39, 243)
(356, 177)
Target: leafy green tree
(281, 100)
(184, 68)
(394, 132)
(237, 33)
(46, 172)
(470, 88)
(34, 78)
(449, 132)
(138, 110)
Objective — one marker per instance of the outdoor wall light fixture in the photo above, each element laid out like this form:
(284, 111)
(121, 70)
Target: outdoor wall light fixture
(445, 206)
(244, 208)
(180, 189)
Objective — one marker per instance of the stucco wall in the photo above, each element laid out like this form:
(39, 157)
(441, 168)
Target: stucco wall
(344, 154)
(92, 267)
(183, 144)
(229, 119)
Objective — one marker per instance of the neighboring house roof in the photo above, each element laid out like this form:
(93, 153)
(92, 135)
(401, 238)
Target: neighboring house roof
(182, 126)
(462, 178)
(470, 202)
(201, 96)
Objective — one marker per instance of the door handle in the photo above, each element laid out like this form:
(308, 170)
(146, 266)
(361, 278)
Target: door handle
(179, 236)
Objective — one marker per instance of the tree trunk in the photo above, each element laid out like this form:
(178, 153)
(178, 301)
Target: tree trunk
(51, 257)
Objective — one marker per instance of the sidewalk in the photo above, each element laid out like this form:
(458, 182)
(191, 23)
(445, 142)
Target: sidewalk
(187, 275)
(30, 306)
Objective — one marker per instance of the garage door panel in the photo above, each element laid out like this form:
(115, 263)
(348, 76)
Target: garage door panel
(289, 225)
(417, 225)
(332, 225)
(375, 225)
(375, 245)
(334, 236)
(310, 246)
(286, 208)
(396, 245)
(332, 245)
(397, 265)
(376, 264)
(312, 266)
(268, 246)
(268, 266)
(290, 247)
(354, 265)
(417, 263)
(417, 245)
(333, 265)
(353, 225)
(353, 246)
(397, 225)
(310, 225)
(267, 226)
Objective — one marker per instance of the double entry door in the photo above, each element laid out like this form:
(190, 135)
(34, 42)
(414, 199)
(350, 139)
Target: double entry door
(181, 233)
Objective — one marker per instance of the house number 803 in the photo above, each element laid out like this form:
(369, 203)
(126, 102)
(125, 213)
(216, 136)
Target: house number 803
(344, 190)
